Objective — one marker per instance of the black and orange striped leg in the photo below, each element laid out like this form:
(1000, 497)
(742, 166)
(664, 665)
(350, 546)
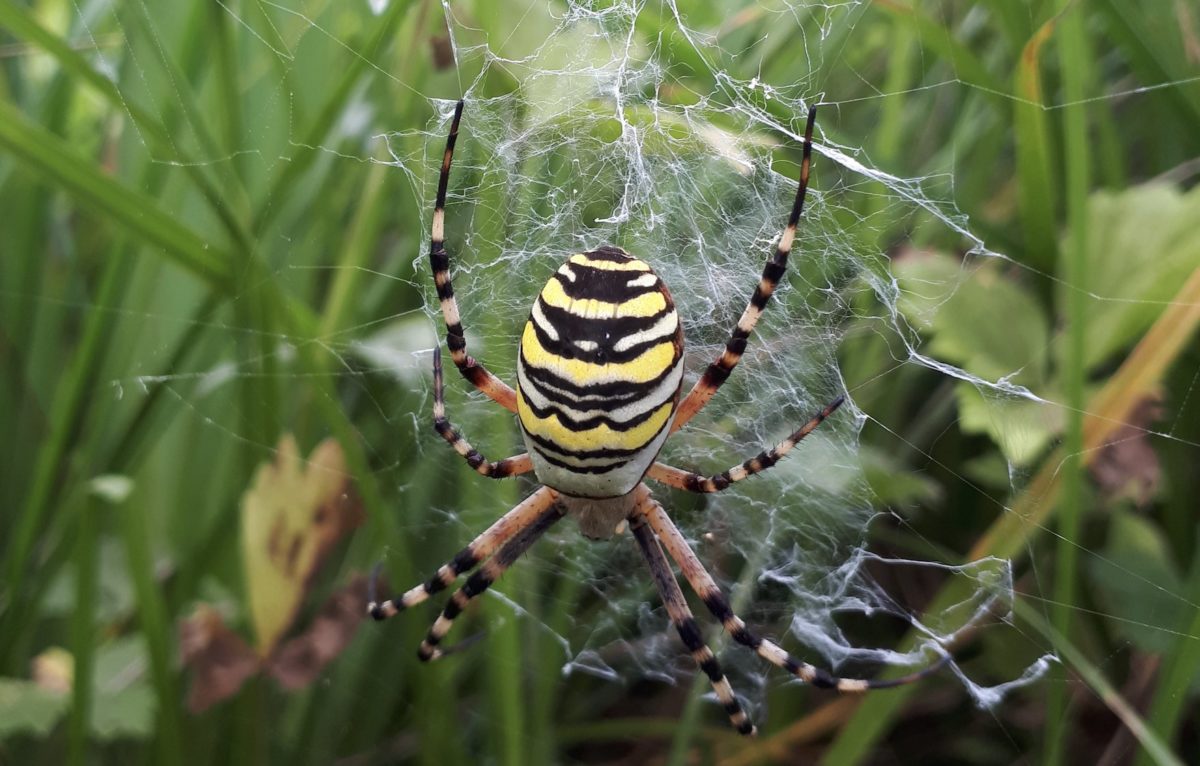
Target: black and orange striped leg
(702, 583)
(694, 482)
(501, 469)
(479, 582)
(508, 526)
(718, 372)
(685, 623)
(439, 259)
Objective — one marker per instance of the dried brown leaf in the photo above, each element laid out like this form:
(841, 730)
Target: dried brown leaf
(219, 659)
(1127, 465)
(299, 661)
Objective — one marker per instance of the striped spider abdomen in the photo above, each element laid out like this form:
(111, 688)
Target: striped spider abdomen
(598, 374)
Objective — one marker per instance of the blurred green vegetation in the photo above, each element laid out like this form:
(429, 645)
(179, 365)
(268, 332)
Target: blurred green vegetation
(179, 190)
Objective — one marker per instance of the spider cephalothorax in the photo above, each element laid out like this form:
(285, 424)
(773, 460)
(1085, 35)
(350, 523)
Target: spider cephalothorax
(598, 382)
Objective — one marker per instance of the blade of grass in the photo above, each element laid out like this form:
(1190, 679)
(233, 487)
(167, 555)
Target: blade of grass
(1156, 59)
(83, 631)
(1036, 191)
(1074, 659)
(1073, 62)
(52, 158)
(229, 103)
(1176, 675)
(66, 421)
(23, 26)
(156, 629)
(1010, 534)
(192, 112)
(349, 269)
(306, 149)
(936, 38)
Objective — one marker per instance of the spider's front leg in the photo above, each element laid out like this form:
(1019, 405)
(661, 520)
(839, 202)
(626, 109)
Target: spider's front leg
(439, 259)
(695, 482)
(511, 466)
(718, 372)
(510, 525)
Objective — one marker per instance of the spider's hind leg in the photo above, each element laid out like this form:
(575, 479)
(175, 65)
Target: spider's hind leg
(508, 526)
(702, 583)
(482, 580)
(685, 623)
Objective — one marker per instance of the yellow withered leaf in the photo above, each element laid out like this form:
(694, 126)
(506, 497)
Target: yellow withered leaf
(293, 513)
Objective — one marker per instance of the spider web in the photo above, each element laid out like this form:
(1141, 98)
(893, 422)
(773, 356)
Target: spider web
(600, 135)
(586, 151)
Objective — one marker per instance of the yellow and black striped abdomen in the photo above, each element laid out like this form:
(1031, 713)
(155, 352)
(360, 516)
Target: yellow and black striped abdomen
(598, 374)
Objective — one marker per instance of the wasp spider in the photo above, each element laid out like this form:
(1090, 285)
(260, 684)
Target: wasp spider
(599, 375)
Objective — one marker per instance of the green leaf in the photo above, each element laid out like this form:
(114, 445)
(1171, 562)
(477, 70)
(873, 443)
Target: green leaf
(125, 714)
(894, 484)
(1137, 583)
(976, 317)
(993, 328)
(1021, 427)
(26, 708)
(1144, 243)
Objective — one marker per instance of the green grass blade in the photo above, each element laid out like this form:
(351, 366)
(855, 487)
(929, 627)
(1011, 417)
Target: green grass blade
(83, 630)
(939, 40)
(1073, 60)
(1176, 676)
(67, 416)
(1075, 660)
(306, 152)
(21, 24)
(48, 156)
(1036, 187)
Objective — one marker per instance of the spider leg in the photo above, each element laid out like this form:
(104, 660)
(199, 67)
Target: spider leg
(481, 580)
(508, 526)
(456, 339)
(694, 482)
(685, 623)
(718, 371)
(501, 469)
(702, 583)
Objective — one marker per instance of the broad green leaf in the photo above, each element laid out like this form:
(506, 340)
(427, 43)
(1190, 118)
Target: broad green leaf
(292, 514)
(27, 708)
(1021, 427)
(125, 703)
(975, 317)
(1145, 243)
(1137, 583)
(125, 714)
(895, 485)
